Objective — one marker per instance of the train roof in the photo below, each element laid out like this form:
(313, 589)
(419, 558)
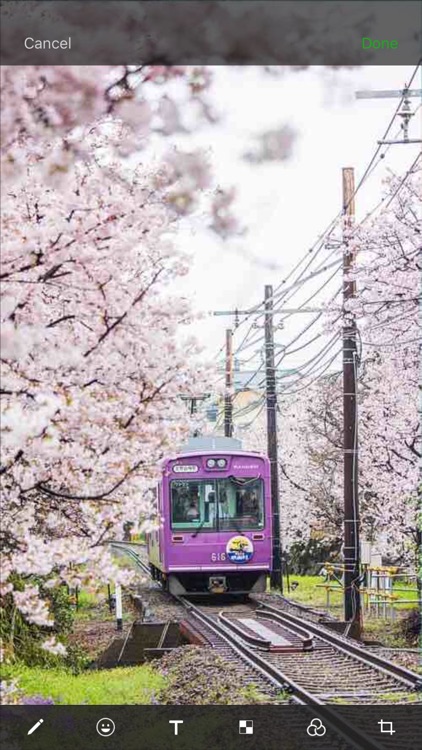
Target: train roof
(209, 445)
(203, 443)
(194, 454)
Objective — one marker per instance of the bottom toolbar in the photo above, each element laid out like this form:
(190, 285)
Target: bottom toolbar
(292, 727)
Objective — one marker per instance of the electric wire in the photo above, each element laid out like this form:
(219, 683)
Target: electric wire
(308, 385)
(283, 296)
(312, 361)
(249, 424)
(329, 345)
(388, 322)
(378, 149)
(368, 171)
(396, 344)
(408, 173)
(315, 294)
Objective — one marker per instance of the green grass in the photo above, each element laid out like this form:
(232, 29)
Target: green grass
(124, 685)
(400, 698)
(88, 599)
(387, 632)
(308, 593)
(253, 694)
(93, 605)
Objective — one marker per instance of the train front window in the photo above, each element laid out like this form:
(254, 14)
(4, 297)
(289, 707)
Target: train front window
(229, 504)
(193, 505)
(240, 504)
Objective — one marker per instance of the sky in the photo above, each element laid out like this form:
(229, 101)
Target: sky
(286, 205)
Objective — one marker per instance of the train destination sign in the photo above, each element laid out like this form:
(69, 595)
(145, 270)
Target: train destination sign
(185, 469)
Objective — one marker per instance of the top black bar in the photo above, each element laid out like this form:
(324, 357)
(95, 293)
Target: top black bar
(193, 32)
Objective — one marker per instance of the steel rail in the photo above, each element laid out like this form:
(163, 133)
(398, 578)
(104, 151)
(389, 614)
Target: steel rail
(264, 644)
(337, 723)
(300, 631)
(300, 695)
(411, 680)
(253, 640)
(246, 653)
(304, 607)
(124, 547)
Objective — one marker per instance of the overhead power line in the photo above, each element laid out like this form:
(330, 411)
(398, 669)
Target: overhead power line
(283, 294)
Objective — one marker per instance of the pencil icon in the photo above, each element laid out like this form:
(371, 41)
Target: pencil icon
(38, 724)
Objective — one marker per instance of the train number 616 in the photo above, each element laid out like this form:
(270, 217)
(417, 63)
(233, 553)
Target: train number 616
(218, 556)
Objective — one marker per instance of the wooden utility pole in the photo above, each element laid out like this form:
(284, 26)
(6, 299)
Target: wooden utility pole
(228, 400)
(352, 608)
(271, 402)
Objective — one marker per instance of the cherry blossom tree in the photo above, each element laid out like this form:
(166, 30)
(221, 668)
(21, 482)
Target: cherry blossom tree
(310, 474)
(95, 182)
(93, 361)
(387, 308)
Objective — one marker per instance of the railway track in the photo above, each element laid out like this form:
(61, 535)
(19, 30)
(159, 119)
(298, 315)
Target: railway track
(268, 666)
(352, 664)
(135, 556)
(310, 613)
(317, 668)
(344, 651)
(332, 669)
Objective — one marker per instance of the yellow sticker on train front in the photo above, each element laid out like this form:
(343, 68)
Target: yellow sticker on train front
(239, 549)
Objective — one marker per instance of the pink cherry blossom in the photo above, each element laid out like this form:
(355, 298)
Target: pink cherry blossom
(387, 309)
(94, 357)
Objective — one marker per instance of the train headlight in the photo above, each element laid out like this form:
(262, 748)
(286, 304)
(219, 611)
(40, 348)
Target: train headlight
(210, 463)
(221, 463)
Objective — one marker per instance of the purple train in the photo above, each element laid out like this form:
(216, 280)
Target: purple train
(214, 501)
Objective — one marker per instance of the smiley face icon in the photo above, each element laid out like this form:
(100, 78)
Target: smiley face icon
(105, 727)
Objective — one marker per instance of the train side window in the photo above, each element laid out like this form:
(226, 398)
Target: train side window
(159, 496)
(155, 498)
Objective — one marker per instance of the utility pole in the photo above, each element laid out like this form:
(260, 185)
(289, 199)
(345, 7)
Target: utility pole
(352, 608)
(271, 402)
(228, 399)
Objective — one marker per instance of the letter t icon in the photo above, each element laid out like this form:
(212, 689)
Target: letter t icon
(176, 725)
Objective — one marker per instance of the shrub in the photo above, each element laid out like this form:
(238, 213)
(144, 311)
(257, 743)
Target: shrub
(23, 640)
(305, 558)
(411, 625)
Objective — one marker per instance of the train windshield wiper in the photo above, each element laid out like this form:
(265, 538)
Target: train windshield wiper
(198, 529)
(236, 525)
(243, 481)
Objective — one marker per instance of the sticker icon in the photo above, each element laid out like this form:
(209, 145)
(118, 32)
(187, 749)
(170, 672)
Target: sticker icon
(239, 549)
(316, 728)
(105, 727)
